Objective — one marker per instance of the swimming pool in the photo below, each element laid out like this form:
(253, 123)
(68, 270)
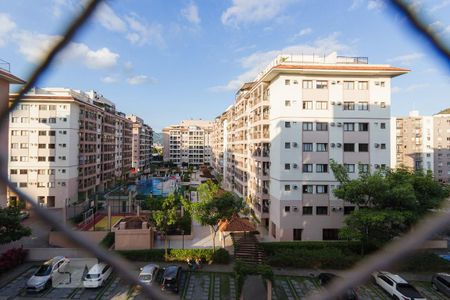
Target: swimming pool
(156, 186)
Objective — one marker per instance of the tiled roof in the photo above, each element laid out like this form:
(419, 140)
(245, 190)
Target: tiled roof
(444, 112)
(236, 224)
(10, 77)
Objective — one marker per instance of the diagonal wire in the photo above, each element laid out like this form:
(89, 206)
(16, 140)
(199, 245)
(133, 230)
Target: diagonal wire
(68, 35)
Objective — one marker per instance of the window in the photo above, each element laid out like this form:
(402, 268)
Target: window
(23, 171)
(52, 120)
(387, 280)
(15, 120)
(321, 105)
(321, 84)
(52, 133)
(15, 132)
(307, 147)
(50, 184)
(349, 105)
(363, 85)
(383, 104)
(307, 126)
(14, 158)
(382, 83)
(348, 147)
(322, 189)
(24, 132)
(307, 210)
(287, 103)
(51, 158)
(330, 234)
(52, 107)
(287, 124)
(13, 171)
(349, 85)
(383, 146)
(287, 209)
(350, 168)
(51, 146)
(297, 234)
(42, 133)
(349, 126)
(287, 145)
(51, 171)
(42, 107)
(14, 146)
(363, 168)
(321, 126)
(307, 105)
(287, 82)
(307, 168)
(322, 168)
(348, 210)
(42, 146)
(287, 187)
(41, 158)
(41, 172)
(24, 106)
(24, 120)
(383, 125)
(363, 105)
(322, 147)
(24, 158)
(363, 126)
(307, 84)
(321, 210)
(287, 166)
(308, 189)
(23, 145)
(363, 147)
(23, 184)
(40, 184)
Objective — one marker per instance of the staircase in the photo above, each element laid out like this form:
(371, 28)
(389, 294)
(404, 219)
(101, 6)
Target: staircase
(247, 249)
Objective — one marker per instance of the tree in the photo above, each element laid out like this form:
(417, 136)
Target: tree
(165, 217)
(10, 227)
(213, 206)
(389, 202)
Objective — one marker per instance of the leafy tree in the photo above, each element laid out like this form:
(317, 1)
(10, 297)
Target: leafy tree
(213, 205)
(389, 202)
(165, 217)
(10, 227)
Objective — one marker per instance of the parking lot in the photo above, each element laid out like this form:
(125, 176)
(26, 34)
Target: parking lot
(194, 286)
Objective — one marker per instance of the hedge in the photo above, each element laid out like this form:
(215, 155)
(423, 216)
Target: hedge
(12, 258)
(221, 256)
(242, 269)
(346, 246)
(108, 240)
(424, 261)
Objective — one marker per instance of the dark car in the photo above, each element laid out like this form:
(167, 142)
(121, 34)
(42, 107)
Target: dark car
(326, 279)
(171, 279)
(441, 283)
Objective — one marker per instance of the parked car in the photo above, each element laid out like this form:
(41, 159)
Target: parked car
(23, 214)
(171, 279)
(326, 278)
(441, 283)
(42, 278)
(396, 286)
(148, 273)
(97, 275)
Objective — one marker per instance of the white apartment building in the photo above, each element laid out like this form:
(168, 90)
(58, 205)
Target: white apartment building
(65, 145)
(274, 144)
(189, 143)
(141, 145)
(423, 143)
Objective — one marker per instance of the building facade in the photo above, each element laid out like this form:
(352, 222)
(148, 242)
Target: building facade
(142, 142)
(274, 144)
(423, 143)
(189, 143)
(66, 144)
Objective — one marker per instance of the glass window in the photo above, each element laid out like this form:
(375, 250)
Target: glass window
(321, 189)
(383, 146)
(349, 147)
(307, 126)
(307, 84)
(383, 125)
(363, 168)
(287, 166)
(350, 168)
(322, 168)
(307, 105)
(287, 145)
(321, 84)
(348, 210)
(321, 105)
(287, 103)
(363, 147)
(363, 105)
(363, 126)
(348, 105)
(287, 209)
(363, 85)
(307, 210)
(322, 126)
(349, 126)
(287, 187)
(308, 189)
(322, 147)
(307, 147)
(307, 168)
(287, 82)
(382, 104)
(287, 124)
(321, 210)
(330, 234)
(349, 85)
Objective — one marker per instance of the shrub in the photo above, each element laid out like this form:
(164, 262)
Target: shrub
(345, 246)
(12, 258)
(425, 261)
(221, 256)
(143, 255)
(108, 240)
(242, 269)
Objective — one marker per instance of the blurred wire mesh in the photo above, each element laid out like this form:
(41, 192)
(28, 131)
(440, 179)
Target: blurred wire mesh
(384, 258)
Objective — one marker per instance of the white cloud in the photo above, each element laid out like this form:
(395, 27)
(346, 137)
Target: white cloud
(109, 19)
(7, 26)
(439, 6)
(128, 66)
(439, 28)
(375, 4)
(141, 33)
(253, 11)
(190, 12)
(355, 4)
(59, 6)
(406, 59)
(303, 32)
(110, 79)
(140, 79)
(256, 62)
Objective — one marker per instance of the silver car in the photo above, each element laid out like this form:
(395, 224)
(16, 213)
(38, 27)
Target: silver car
(441, 283)
(148, 273)
(42, 278)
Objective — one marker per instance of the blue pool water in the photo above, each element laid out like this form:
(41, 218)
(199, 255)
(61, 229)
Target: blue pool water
(151, 187)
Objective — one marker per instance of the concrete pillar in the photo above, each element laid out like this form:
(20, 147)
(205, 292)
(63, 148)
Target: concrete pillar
(109, 217)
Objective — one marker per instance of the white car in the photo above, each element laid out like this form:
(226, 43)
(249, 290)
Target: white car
(396, 286)
(97, 275)
(42, 278)
(148, 273)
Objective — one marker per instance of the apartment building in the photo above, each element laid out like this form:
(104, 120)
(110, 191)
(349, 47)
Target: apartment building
(6, 79)
(423, 143)
(188, 143)
(274, 144)
(66, 144)
(142, 142)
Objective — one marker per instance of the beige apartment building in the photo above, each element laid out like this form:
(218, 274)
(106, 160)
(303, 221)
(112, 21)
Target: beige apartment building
(65, 145)
(423, 143)
(142, 142)
(189, 143)
(274, 144)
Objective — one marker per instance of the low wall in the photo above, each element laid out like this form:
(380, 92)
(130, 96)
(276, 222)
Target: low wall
(435, 244)
(58, 239)
(42, 254)
(133, 239)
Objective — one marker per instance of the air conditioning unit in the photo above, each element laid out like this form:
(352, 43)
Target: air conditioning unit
(295, 208)
(377, 166)
(295, 166)
(332, 124)
(333, 145)
(339, 124)
(295, 82)
(333, 103)
(333, 208)
(339, 145)
(295, 187)
(377, 145)
(339, 103)
(294, 144)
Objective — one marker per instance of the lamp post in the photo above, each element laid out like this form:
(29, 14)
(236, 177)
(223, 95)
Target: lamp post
(182, 234)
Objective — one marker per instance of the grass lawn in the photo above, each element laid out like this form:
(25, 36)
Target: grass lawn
(103, 223)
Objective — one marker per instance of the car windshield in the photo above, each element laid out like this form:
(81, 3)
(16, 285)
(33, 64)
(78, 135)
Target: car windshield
(92, 276)
(43, 270)
(145, 277)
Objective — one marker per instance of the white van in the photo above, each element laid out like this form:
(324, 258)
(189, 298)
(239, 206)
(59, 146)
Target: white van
(97, 275)
(148, 273)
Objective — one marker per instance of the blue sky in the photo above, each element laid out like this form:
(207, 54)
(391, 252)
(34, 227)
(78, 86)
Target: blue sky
(168, 62)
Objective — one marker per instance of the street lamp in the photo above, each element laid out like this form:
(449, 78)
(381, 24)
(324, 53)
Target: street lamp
(182, 234)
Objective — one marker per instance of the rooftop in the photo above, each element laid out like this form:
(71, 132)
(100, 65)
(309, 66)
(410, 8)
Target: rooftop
(236, 224)
(444, 112)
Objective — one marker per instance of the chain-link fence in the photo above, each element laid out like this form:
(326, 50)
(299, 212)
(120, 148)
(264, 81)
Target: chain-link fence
(382, 259)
